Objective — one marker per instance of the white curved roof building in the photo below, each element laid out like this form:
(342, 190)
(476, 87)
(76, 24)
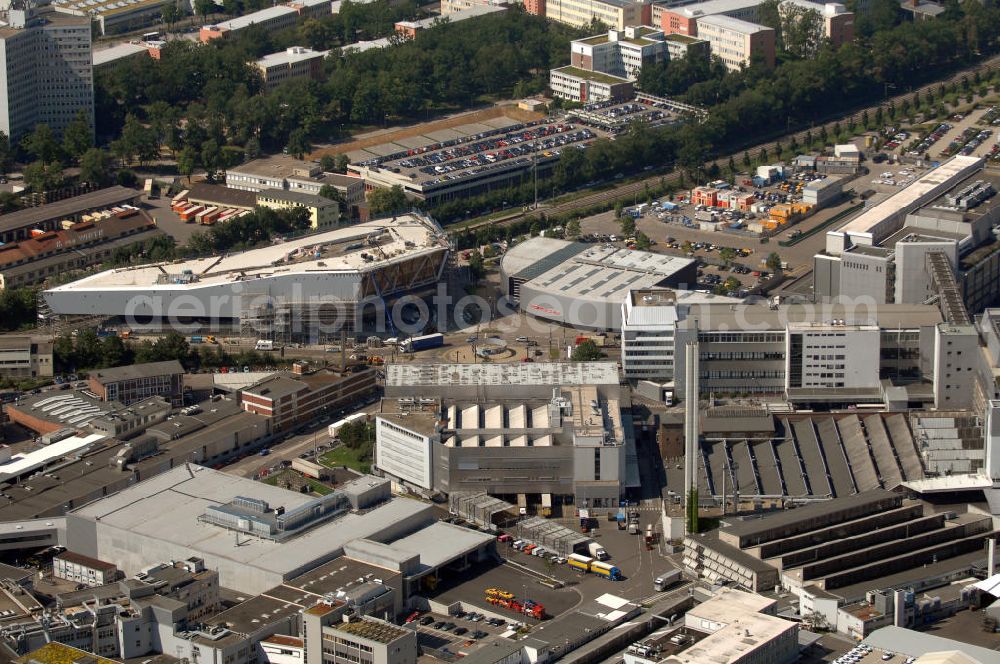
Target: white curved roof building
(338, 270)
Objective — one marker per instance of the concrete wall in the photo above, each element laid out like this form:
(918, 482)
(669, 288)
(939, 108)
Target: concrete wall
(912, 279)
(864, 276)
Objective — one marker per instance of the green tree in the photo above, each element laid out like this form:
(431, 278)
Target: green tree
(587, 351)
(384, 200)
(170, 14)
(573, 229)
(187, 161)
(6, 153)
(95, 167)
(18, 308)
(642, 241)
(63, 354)
(357, 435)
(88, 349)
(211, 156)
(204, 7)
(727, 254)
(40, 176)
(327, 163)
(78, 137)
(298, 143)
(773, 261)
(343, 161)
(627, 225)
(477, 270)
(618, 209)
(113, 352)
(41, 144)
(252, 148)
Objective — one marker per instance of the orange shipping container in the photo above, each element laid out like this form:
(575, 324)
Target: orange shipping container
(189, 214)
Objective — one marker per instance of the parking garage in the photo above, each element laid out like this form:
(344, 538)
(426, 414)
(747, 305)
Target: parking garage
(468, 159)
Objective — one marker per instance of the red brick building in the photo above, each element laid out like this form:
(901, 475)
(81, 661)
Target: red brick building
(293, 399)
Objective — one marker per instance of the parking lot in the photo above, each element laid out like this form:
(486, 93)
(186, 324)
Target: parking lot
(614, 116)
(973, 133)
(464, 154)
(453, 635)
(531, 577)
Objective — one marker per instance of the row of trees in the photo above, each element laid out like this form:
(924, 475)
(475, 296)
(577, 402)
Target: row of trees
(205, 102)
(88, 351)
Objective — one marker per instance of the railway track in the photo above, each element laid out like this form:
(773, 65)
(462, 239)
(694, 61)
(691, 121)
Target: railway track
(629, 191)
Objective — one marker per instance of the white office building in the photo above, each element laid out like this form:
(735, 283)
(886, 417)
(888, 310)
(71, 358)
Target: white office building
(648, 320)
(824, 355)
(405, 452)
(46, 72)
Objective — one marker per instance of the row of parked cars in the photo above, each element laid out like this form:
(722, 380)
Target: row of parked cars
(534, 550)
(930, 139)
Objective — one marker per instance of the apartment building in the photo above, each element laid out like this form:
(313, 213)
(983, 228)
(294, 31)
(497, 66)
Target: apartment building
(736, 42)
(25, 357)
(294, 63)
(617, 14)
(46, 70)
(269, 173)
(836, 23)
(139, 381)
(114, 16)
(685, 46)
(456, 6)
(583, 86)
(278, 17)
(621, 53)
(350, 188)
(323, 212)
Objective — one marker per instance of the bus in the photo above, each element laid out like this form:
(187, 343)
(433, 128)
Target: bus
(576, 561)
(151, 36)
(606, 570)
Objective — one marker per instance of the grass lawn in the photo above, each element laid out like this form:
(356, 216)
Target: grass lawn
(358, 459)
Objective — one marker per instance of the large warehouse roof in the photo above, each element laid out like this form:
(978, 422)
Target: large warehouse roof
(548, 373)
(401, 237)
(593, 271)
(68, 207)
(762, 317)
(440, 543)
(915, 644)
(921, 191)
(168, 509)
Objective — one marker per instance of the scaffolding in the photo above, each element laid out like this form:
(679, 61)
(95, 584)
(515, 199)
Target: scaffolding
(482, 509)
(551, 535)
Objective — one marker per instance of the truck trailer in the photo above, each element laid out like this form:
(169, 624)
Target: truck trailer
(424, 342)
(606, 570)
(667, 580)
